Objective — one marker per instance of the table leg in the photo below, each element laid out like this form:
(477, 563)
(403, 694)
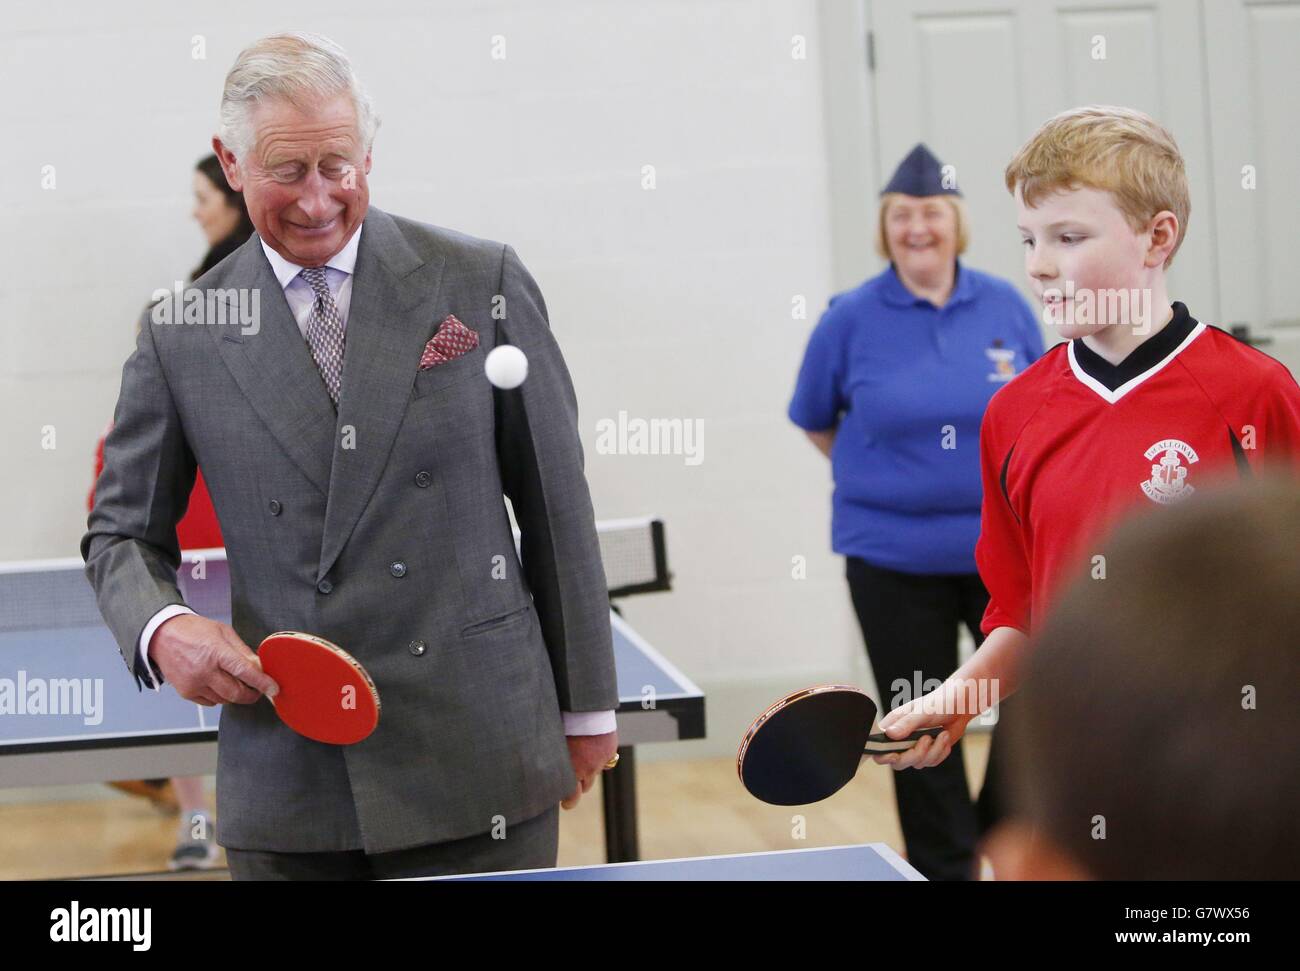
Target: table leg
(618, 791)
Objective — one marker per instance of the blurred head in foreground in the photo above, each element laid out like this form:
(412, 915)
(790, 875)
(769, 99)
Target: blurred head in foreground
(1159, 731)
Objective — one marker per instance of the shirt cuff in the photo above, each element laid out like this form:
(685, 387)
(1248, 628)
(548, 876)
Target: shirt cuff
(589, 722)
(146, 635)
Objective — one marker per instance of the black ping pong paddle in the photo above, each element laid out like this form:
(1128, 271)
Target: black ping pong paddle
(808, 745)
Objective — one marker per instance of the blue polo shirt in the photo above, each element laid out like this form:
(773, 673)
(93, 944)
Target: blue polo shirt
(908, 383)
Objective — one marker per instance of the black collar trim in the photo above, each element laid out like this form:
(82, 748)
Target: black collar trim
(1144, 357)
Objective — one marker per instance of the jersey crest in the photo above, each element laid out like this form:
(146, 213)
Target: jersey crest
(1168, 482)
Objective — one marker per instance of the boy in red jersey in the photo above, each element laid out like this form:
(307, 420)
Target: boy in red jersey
(1141, 407)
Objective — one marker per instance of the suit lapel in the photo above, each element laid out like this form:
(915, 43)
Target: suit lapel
(390, 318)
(274, 369)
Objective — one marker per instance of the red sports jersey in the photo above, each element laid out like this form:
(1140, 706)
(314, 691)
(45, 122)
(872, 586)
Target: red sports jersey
(1074, 442)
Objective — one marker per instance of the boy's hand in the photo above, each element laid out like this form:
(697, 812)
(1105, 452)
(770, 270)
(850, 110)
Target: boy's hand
(934, 710)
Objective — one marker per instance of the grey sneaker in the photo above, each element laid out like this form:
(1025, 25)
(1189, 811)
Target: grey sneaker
(192, 853)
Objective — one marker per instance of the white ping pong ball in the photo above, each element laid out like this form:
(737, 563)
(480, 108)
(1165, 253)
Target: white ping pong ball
(506, 367)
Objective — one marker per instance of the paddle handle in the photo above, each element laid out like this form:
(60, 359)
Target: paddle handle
(882, 744)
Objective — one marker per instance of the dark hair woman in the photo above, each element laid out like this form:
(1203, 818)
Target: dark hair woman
(220, 213)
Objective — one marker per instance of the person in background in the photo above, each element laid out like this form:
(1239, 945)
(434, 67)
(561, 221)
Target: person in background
(221, 214)
(892, 389)
(1184, 766)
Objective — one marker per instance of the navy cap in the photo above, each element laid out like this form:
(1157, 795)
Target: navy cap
(920, 174)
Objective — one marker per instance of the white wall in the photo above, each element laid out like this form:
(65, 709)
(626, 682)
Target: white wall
(671, 303)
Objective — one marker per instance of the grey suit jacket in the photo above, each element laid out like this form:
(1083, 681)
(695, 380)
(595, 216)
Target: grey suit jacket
(380, 529)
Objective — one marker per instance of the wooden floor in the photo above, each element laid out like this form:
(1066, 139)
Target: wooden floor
(687, 808)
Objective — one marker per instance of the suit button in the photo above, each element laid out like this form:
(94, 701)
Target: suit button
(397, 569)
(324, 586)
(275, 507)
(422, 479)
(416, 648)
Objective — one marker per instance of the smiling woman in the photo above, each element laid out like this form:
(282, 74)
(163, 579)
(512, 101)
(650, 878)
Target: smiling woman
(922, 237)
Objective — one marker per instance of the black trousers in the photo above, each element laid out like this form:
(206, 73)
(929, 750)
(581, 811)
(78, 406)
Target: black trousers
(527, 845)
(910, 624)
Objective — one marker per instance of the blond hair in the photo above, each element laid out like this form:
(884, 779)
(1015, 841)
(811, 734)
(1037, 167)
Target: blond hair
(1118, 150)
(958, 208)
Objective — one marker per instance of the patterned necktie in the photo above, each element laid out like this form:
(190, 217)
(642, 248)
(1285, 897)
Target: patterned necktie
(325, 332)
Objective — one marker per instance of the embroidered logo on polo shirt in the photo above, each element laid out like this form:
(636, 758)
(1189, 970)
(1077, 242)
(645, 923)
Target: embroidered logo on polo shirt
(1003, 359)
(1168, 482)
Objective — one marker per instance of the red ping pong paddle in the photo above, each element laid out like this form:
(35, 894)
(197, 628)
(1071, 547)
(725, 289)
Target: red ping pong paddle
(325, 693)
(808, 745)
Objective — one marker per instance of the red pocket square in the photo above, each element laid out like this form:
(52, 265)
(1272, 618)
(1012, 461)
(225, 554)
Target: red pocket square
(452, 340)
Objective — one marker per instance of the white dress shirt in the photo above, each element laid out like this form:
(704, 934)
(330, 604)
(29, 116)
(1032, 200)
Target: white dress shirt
(300, 297)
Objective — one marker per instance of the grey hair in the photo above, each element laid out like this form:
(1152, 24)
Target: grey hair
(299, 67)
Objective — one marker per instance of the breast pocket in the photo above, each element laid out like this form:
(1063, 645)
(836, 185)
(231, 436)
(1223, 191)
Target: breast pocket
(441, 376)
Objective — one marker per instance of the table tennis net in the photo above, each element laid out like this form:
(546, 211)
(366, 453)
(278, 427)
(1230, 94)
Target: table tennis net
(47, 599)
(634, 555)
(55, 595)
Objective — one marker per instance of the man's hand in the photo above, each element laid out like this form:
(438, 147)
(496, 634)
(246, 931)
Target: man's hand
(938, 709)
(207, 663)
(589, 754)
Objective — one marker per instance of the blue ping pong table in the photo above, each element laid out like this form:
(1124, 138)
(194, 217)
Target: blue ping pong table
(870, 861)
(74, 713)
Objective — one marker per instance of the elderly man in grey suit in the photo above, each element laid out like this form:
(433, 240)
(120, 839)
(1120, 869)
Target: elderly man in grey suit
(358, 460)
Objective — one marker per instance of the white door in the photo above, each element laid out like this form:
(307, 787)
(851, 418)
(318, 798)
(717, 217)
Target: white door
(1255, 120)
(974, 79)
